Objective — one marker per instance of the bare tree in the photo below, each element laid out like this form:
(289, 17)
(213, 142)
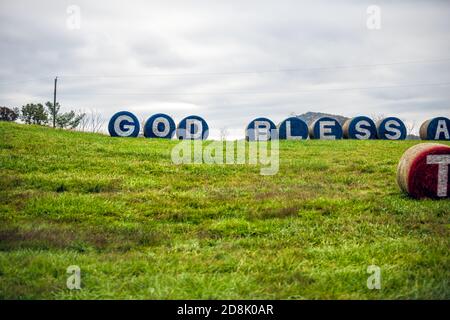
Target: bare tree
(410, 126)
(223, 133)
(96, 121)
(84, 123)
(376, 117)
(142, 120)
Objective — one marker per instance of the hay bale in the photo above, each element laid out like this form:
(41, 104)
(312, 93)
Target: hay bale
(435, 129)
(325, 128)
(391, 128)
(261, 129)
(360, 128)
(159, 125)
(193, 128)
(422, 171)
(293, 128)
(124, 124)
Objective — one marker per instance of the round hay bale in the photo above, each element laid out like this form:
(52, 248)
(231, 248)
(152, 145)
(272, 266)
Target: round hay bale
(325, 128)
(293, 128)
(193, 128)
(391, 128)
(159, 125)
(261, 129)
(435, 129)
(123, 124)
(423, 171)
(360, 128)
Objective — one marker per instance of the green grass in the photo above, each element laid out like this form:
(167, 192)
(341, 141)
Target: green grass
(141, 227)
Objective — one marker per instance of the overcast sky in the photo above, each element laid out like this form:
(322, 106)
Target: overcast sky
(229, 61)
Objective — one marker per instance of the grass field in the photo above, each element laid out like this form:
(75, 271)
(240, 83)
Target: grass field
(141, 227)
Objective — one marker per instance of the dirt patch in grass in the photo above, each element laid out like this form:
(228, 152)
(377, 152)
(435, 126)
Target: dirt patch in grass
(14, 237)
(274, 213)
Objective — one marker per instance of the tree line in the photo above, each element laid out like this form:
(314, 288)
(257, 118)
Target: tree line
(50, 114)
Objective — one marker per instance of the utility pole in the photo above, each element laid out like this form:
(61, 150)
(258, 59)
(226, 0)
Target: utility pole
(54, 103)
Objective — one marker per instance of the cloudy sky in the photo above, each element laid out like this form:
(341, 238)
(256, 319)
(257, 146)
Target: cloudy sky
(228, 61)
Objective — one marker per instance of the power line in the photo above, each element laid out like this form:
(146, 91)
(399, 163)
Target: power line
(315, 68)
(25, 80)
(260, 71)
(258, 93)
(254, 92)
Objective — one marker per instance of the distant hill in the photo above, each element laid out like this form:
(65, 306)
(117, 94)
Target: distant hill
(310, 117)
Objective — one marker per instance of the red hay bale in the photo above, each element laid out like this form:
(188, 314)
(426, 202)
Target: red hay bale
(420, 179)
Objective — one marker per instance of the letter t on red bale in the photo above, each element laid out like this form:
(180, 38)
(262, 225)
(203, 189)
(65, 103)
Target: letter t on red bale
(423, 171)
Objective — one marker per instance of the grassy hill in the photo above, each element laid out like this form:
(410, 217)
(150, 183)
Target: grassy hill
(139, 226)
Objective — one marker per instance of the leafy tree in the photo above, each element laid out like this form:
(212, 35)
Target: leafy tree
(32, 113)
(7, 114)
(68, 120)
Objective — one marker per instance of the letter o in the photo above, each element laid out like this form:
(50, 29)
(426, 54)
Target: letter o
(123, 124)
(423, 171)
(360, 128)
(293, 128)
(391, 128)
(260, 129)
(192, 128)
(326, 128)
(435, 129)
(159, 125)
